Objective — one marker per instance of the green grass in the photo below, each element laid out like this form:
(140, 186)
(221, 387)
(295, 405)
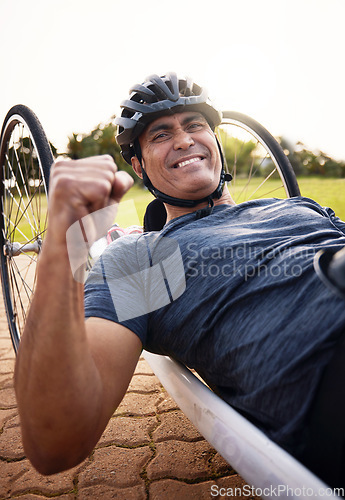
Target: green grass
(327, 192)
(132, 207)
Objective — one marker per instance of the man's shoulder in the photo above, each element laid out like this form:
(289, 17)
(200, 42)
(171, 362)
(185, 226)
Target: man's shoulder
(289, 204)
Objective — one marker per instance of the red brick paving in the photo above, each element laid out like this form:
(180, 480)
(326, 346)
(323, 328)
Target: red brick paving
(149, 449)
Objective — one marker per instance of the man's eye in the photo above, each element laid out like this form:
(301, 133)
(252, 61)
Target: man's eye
(160, 137)
(195, 126)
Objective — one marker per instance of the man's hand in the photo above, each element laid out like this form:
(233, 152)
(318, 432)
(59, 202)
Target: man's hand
(81, 187)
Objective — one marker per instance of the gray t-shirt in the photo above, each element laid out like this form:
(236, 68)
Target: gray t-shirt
(233, 295)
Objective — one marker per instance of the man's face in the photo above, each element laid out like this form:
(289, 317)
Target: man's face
(181, 156)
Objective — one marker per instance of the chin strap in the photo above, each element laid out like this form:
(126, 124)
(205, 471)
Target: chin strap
(180, 202)
(204, 212)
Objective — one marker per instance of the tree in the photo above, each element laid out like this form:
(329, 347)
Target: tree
(242, 156)
(101, 140)
(306, 162)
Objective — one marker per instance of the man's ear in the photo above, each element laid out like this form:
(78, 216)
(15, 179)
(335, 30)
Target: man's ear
(136, 166)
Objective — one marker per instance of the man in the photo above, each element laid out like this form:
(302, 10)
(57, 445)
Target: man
(227, 289)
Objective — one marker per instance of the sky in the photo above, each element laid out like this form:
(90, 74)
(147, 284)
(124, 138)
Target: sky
(279, 61)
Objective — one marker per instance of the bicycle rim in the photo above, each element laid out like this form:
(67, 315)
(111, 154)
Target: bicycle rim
(25, 159)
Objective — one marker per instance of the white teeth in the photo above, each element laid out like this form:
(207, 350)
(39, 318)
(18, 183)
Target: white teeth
(187, 162)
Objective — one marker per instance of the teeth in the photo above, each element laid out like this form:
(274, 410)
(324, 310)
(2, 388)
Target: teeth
(187, 162)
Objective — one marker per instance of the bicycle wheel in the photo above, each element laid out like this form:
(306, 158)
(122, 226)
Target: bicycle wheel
(25, 160)
(257, 163)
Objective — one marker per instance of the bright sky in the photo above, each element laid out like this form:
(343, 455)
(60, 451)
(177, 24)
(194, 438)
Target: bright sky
(280, 61)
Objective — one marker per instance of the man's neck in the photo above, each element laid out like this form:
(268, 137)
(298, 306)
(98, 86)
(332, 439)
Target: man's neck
(173, 212)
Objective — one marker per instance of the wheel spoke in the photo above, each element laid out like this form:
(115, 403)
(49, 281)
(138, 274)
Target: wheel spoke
(19, 309)
(23, 180)
(23, 213)
(262, 183)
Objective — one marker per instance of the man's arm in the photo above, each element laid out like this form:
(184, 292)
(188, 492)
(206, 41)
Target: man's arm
(70, 374)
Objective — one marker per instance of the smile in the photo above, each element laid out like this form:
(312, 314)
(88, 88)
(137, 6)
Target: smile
(188, 162)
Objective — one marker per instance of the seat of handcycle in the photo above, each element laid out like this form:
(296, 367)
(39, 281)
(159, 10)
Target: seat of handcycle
(260, 461)
(155, 216)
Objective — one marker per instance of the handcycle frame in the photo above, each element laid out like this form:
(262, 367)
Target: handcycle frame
(259, 461)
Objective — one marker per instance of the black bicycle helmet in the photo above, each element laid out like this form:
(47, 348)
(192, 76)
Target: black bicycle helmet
(156, 97)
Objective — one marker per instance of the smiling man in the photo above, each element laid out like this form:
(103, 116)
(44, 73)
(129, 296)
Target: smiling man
(180, 153)
(229, 290)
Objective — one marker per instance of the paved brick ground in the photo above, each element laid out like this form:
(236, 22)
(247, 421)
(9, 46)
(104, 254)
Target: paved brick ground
(149, 450)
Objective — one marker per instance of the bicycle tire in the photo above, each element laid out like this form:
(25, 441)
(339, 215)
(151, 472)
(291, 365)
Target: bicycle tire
(25, 160)
(272, 163)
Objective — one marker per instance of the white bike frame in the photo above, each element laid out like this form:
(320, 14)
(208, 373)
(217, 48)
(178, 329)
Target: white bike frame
(260, 461)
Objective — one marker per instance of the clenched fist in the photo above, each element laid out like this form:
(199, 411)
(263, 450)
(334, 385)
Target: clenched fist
(83, 199)
(80, 187)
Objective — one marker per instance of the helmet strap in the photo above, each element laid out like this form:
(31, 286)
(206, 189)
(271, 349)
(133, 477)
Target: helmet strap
(204, 212)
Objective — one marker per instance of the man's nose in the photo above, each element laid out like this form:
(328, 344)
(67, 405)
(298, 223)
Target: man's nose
(183, 140)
